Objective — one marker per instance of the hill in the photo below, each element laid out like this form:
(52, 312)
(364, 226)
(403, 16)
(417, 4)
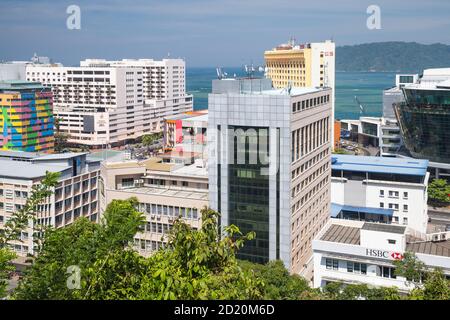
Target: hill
(392, 56)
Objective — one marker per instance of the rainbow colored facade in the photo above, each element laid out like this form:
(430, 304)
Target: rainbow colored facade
(26, 117)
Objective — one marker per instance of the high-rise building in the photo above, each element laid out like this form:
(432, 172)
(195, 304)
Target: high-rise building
(110, 102)
(26, 117)
(74, 196)
(424, 119)
(303, 65)
(269, 166)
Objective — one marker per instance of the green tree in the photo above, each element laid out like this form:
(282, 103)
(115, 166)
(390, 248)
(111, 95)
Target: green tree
(149, 139)
(278, 283)
(439, 191)
(19, 222)
(410, 268)
(83, 244)
(61, 138)
(6, 256)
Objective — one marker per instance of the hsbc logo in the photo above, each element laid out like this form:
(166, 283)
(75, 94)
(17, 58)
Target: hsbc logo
(384, 254)
(396, 256)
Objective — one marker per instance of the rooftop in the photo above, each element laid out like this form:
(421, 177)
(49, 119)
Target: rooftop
(176, 192)
(405, 166)
(433, 248)
(60, 156)
(17, 85)
(382, 227)
(18, 154)
(295, 91)
(27, 170)
(342, 234)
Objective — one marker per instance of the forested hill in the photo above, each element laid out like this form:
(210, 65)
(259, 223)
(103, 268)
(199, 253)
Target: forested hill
(392, 56)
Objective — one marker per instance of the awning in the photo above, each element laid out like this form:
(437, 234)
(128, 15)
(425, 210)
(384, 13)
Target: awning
(337, 208)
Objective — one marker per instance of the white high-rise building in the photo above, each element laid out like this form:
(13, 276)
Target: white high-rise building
(109, 102)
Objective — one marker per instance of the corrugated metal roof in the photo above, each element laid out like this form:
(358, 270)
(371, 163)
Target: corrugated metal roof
(406, 166)
(342, 234)
(27, 170)
(382, 227)
(433, 248)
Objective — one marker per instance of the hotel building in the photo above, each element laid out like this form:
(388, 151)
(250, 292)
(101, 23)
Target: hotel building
(357, 252)
(303, 65)
(26, 117)
(269, 166)
(110, 102)
(378, 189)
(74, 196)
(165, 191)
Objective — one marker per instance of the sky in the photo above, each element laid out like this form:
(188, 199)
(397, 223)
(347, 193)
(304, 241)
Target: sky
(207, 32)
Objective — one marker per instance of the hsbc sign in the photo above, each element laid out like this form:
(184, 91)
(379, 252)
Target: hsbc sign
(384, 254)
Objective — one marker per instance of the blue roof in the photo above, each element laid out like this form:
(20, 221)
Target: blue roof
(406, 166)
(337, 208)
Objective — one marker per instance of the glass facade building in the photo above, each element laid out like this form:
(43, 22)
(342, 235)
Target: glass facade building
(248, 194)
(424, 120)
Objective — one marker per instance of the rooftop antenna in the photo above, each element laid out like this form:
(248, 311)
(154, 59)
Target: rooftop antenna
(221, 74)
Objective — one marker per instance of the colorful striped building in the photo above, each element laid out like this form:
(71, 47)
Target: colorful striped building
(26, 117)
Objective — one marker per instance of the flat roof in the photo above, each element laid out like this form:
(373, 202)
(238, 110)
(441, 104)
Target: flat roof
(60, 156)
(405, 166)
(170, 192)
(382, 227)
(342, 234)
(13, 85)
(27, 170)
(295, 91)
(18, 154)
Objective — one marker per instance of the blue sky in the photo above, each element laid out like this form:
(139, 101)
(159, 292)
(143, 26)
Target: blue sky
(207, 32)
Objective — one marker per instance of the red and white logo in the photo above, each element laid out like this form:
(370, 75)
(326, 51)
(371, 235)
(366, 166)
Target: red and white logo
(396, 256)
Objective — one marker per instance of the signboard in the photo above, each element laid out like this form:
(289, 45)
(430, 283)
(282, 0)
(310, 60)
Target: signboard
(384, 254)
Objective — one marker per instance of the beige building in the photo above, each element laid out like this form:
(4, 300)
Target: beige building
(164, 190)
(75, 195)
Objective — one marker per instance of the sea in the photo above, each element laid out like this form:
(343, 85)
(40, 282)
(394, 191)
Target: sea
(351, 87)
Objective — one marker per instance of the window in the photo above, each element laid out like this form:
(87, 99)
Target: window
(356, 267)
(391, 241)
(393, 206)
(405, 208)
(405, 195)
(393, 194)
(127, 182)
(332, 264)
(381, 205)
(405, 220)
(381, 193)
(386, 272)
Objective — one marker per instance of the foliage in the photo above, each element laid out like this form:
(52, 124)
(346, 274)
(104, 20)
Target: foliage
(439, 191)
(279, 284)
(61, 138)
(149, 139)
(392, 56)
(6, 256)
(410, 268)
(21, 218)
(83, 244)
(340, 151)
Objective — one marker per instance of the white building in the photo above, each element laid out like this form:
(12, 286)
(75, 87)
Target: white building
(357, 252)
(387, 190)
(109, 102)
(75, 195)
(280, 192)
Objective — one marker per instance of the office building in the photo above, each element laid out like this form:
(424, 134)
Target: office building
(16, 70)
(269, 166)
(424, 119)
(187, 132)
(378, 189)
(165, 191)
(357, 252)
(74, 196)
(26, 117)
(303, 65)
(111, 102)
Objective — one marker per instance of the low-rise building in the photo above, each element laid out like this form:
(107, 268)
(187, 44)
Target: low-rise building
(165, 191)
(75, 195)
(389, 190)
(358, 252)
